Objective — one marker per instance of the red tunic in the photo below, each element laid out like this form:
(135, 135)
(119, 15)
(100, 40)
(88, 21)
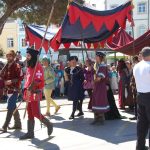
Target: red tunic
(14, 73)
(38, 80)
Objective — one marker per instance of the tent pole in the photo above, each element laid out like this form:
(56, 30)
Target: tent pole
(82, 52)
(86, 51)
(133, 30)
(115, 59)
(133, 41)
(42, 42)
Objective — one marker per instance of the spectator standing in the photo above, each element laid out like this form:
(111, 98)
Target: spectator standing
(141, 72)
(114, 79)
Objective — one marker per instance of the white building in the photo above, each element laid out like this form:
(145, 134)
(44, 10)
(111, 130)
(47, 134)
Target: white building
(97, 4)
(140, 15)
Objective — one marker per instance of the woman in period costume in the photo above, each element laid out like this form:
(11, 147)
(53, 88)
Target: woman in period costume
(133, 89)
(75, 77)
(123, 82)
(89, 80)
(100, 103)
(129, 99)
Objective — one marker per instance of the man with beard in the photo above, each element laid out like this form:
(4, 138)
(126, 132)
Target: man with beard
(11, 75)
(34, 83)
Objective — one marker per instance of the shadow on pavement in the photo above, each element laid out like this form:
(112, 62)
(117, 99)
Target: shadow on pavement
(113, 131)
(59, 118)
(44, 144)
(37, 143)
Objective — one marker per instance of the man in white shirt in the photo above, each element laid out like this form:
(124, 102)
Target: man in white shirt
(141, 73)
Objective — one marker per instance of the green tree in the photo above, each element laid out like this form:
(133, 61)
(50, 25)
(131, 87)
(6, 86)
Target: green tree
(32, 11)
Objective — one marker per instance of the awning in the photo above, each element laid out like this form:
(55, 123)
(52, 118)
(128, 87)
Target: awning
(35, 33)
(134, 47)
(91, 26)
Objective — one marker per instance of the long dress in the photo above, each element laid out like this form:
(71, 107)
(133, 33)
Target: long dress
(123, 82)
(89, 77)
(113, 113)
(100, 102)
(130, 99)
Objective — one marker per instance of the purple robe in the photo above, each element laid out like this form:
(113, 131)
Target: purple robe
(89, 77)
(100, 102)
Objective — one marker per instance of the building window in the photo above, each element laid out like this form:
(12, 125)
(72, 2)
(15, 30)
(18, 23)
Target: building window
(142, 8)
(142, 30)
(23, 43)
(129, 31)
(10, 42)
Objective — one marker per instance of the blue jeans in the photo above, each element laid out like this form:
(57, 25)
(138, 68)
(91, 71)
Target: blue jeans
(11, 101)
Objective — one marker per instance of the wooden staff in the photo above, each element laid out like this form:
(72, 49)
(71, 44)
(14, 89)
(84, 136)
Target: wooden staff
(49, 19)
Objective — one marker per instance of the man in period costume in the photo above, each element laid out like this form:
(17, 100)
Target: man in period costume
(75, 77)
(12, 76)
(34, 83)
(100, 102)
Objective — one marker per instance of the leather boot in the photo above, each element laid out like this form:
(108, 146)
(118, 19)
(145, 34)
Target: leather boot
(17, 122)
(101, 119)
(80, 108)
(72, 116)
(74, 108)
(7, 121)
(48, 124)
(96, 119)
(30, 133)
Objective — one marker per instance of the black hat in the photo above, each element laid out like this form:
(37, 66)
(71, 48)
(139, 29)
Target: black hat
(100, 54)
(32, 51)
(73, 58)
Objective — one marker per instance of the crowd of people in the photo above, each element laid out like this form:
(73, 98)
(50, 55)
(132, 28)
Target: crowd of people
(101, 81)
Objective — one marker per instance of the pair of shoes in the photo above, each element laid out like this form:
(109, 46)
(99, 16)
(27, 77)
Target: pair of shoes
(133, 118)
(71, 117)
(80, 114)
(47, 114)
(3, 130)
(57, 109)
(15, 128)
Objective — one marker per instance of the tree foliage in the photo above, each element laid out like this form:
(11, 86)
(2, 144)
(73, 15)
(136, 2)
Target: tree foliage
(33, 11)
(39, 10)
